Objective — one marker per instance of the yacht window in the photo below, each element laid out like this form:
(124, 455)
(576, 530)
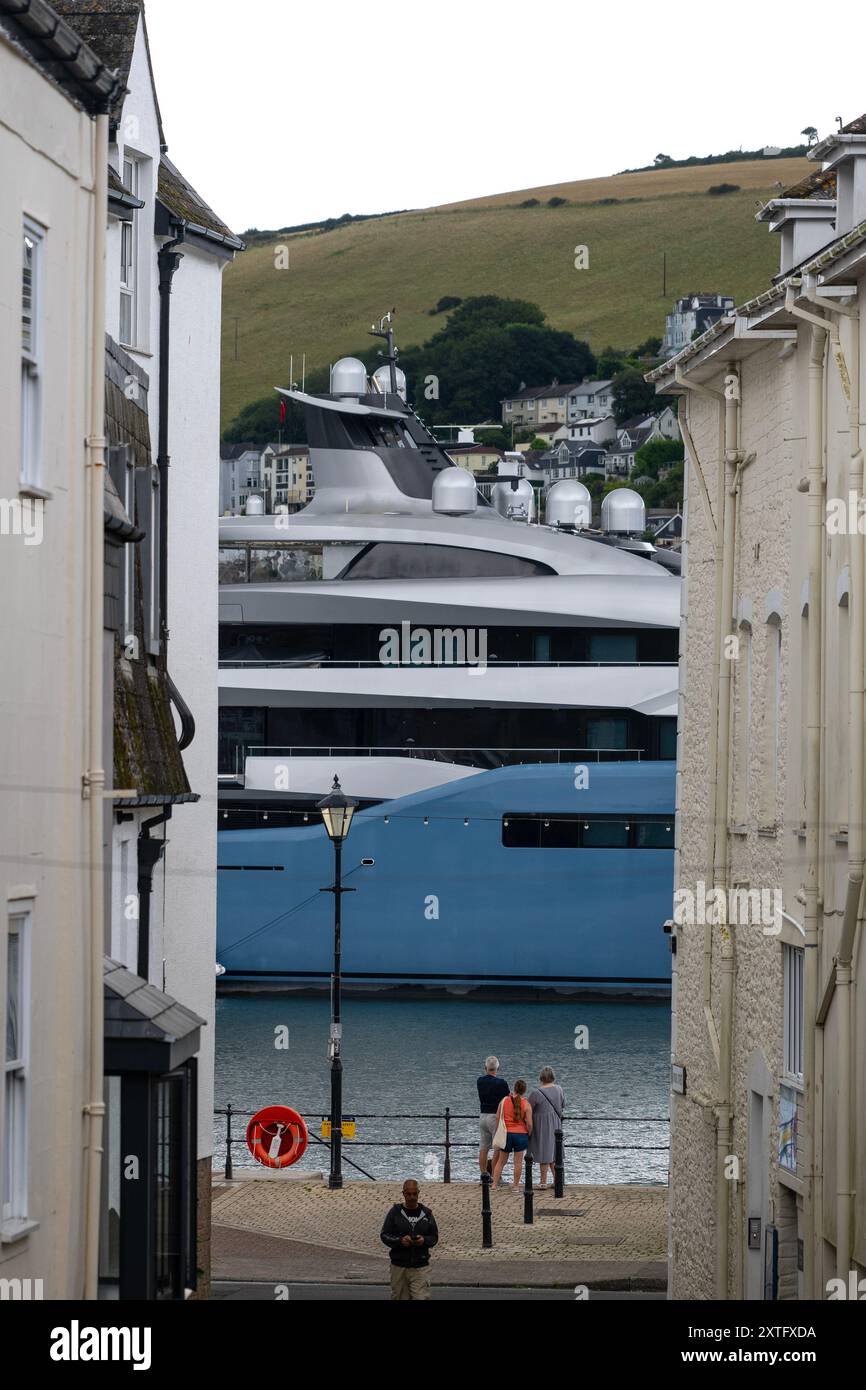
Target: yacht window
(613, 646)
(605, 834)
(606, 733)
(284, 563)
(232, 564)
(559, 831)
(405, 560)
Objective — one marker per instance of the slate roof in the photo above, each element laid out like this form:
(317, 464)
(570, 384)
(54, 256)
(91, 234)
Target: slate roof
(42, 36)
(591, 387)
(535, 393)
(146, 753)
(228, 452)
(180, 199)
(109, 27)
(144, 1028)
(819, 184)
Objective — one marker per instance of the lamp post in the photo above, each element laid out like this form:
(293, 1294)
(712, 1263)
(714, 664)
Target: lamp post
(337, 811)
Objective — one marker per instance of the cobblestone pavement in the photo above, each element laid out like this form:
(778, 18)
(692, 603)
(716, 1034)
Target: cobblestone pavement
(300, 1229)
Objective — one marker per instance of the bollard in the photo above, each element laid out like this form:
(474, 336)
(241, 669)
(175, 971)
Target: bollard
(528, 1195)
(558, 1165)
(486, 1219)
(229, 1142)
(447, 1174)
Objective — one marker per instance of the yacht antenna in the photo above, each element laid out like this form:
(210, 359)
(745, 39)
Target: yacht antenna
(387, 333)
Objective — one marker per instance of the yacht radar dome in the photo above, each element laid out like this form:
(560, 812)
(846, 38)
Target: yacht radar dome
(255, 505)
(382, 380)
(349, 377)
(569, 504)
(454, 492)
(514, 498)
(623, 512)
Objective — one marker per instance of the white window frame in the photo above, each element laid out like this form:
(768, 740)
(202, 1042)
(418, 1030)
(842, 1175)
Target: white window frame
(31, 469)
(793, 1031)
(16, 1078)
(129, 286)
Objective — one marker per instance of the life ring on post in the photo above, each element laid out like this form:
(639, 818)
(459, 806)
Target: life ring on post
(277, 1136)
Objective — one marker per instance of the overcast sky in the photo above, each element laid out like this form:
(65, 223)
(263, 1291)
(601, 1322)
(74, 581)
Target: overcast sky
(282, 112)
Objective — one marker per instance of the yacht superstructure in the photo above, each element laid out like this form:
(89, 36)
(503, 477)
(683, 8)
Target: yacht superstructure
(459, 668)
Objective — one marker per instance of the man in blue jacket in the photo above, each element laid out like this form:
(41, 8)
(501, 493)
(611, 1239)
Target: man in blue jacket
(410, 1232)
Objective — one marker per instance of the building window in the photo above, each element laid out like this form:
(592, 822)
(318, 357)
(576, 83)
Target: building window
(16, 1094)
(129, 260)
(792, 1009)
(31, 354)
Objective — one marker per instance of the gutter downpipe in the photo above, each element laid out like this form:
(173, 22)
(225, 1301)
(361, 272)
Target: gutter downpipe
(94, 777)
(820, 329)
(849, 373)
(854, 894)
(715, 527)
(168, 260)
(733, 460)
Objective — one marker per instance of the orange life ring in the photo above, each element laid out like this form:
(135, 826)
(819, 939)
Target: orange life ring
(277, 1136)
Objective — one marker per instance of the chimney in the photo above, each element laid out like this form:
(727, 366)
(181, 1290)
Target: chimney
(844, 154)
(805, 224)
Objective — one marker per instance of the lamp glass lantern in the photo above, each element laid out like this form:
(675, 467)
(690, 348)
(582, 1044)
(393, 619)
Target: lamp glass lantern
(337, 811)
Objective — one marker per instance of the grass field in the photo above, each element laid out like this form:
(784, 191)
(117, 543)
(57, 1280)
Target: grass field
(337, 282)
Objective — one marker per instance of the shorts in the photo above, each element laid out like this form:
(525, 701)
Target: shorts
(487, 1128)
(516, 1143)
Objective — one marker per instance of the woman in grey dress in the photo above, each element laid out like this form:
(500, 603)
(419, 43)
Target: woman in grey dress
(548, 1104)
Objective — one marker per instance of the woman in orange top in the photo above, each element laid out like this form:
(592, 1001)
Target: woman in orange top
(517, 1114)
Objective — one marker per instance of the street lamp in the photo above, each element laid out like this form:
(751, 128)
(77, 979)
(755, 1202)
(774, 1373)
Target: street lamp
(337, 811)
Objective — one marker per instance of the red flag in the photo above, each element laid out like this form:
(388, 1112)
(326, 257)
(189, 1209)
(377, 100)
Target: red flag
(282, 412)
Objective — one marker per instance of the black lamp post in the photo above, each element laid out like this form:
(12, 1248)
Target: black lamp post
(337, 811)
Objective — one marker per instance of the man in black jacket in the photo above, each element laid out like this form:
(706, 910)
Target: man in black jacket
(410, 1232)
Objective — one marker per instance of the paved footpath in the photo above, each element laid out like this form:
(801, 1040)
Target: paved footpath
(297, 1230)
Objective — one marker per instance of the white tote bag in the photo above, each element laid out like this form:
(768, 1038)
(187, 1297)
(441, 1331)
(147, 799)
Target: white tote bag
(501, 1135)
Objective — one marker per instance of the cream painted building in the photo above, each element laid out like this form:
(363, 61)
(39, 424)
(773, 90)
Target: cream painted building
(768, 1162)
(49, 212)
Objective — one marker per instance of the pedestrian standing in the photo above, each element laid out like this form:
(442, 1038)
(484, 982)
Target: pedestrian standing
(410, 1232)
(491, 1090)
(548, 1105)
(516, 1114)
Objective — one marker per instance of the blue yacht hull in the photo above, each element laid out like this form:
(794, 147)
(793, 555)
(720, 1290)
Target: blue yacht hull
(448, 903)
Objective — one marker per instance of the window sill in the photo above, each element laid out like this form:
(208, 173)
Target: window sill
(17, 1229)
(42, 494)
(139, 351)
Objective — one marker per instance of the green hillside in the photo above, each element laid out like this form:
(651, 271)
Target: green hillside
(338, 281)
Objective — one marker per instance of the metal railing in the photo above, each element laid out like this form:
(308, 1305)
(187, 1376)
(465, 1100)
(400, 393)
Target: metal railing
(314, 663)
(446, 1143)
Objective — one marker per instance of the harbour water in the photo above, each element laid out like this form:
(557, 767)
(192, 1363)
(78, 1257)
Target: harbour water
(407, 1058)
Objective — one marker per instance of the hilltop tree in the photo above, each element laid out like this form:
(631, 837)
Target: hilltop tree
(810, 133)
(651, 457)
(488, 347)
(633, 396)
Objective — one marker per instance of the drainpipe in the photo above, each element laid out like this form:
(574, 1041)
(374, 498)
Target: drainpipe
(94, 777)
(168, 261)
(815, 435)
(149, 854)
(842, 979)
(714, 527)
(853, 899)
(733, 459)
